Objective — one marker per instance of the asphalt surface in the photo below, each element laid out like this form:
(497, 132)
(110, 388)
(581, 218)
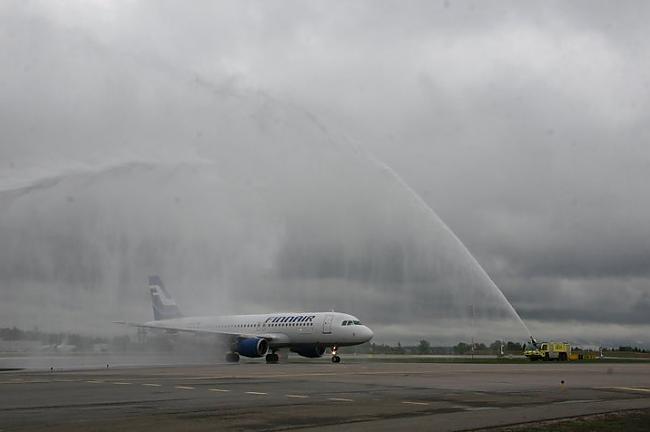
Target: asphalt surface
(316, 396)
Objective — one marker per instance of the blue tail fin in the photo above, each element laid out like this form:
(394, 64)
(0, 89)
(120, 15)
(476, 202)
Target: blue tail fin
(164, 306)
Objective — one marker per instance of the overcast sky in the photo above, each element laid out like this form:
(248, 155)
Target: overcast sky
(524, 125)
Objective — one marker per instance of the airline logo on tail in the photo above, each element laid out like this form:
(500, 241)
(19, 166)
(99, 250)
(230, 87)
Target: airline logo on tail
(164, 306)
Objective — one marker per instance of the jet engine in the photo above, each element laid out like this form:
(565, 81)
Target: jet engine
(252, 347)
(311, 351)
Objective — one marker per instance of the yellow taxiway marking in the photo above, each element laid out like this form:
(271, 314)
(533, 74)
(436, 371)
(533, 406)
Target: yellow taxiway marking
(151, 385)
(340, 399)
(415, 403)
(297, 396)
(256, 393)
(638, 389)
(184, 387)
(218, 390)
(121, 383)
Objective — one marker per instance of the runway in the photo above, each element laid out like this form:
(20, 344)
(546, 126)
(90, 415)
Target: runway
(316, 396)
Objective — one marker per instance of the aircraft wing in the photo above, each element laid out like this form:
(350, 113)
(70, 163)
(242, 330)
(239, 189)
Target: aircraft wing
(269, 337)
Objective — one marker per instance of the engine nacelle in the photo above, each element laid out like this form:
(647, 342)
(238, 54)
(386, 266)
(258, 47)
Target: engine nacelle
(253, 347)
(311, 351)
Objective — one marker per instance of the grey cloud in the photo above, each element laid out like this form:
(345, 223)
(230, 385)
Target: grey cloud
(523, 125)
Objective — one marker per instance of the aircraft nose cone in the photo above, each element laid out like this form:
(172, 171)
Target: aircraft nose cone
(367, 333)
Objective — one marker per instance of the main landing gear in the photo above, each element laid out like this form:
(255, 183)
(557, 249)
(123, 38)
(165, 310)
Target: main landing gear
(232, 357)
(272, 357)
(335, 357)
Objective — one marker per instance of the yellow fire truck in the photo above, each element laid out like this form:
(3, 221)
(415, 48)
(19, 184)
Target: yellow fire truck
(560, 351)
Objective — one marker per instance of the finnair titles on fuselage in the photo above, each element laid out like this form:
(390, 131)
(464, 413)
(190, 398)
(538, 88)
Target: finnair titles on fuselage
(307, 333)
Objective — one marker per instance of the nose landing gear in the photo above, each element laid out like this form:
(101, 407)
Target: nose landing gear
(272, 357)
(335, 357)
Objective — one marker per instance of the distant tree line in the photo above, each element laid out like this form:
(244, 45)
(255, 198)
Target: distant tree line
(627, 349)
(463, 348)
(424, 347)
(160, 342)
(78, 342)
(142, 342)
(16, 334)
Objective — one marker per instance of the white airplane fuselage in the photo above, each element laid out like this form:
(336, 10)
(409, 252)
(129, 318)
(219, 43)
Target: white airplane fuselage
(282, 329)
(305, 333)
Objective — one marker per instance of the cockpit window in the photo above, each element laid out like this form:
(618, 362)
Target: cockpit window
(350, 322)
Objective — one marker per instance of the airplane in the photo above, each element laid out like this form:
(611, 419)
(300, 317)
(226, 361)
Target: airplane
(305, 333)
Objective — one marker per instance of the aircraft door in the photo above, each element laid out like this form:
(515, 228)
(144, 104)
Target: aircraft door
(327, 324)
(305, 328)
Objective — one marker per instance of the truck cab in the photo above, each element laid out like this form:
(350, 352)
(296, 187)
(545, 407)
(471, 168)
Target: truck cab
(547, 351)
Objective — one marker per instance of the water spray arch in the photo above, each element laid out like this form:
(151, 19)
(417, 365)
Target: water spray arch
(272, 211)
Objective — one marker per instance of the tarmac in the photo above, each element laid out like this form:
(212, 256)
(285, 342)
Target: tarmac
(317, 396)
